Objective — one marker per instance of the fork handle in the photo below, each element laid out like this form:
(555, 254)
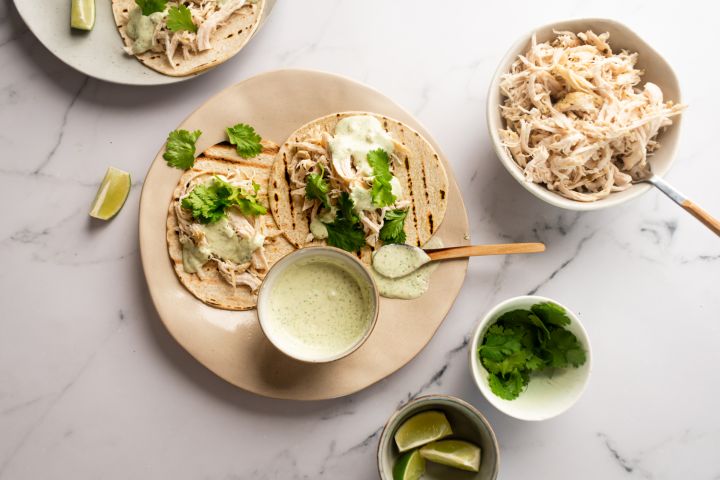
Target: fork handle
(708, 220)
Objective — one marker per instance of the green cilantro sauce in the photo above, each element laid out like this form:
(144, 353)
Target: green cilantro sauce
(221, 241)
(395, 261)
(141, 29)
(317, 225)
(408, 287)
(361, 197)
(319, 308)
(408, 267)
(356, 136)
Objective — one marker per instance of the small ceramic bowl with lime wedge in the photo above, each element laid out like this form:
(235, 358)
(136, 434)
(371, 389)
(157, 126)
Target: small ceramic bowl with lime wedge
(438, 437)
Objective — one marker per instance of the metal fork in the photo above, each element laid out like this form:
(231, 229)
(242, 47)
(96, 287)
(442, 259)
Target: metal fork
(694, 210)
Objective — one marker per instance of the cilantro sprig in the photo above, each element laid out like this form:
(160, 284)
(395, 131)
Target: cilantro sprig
(180, 148)
(393, 230)
(179, 19)
(317, 187)
(382, 195)
(521, 342)
(208, 202)
(246, 140)
(148, 7)
(346, 231)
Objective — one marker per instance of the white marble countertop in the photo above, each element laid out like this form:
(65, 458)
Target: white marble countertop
(92, 386)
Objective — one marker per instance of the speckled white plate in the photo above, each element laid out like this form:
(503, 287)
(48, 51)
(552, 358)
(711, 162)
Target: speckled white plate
(98, 53)
(232, 344)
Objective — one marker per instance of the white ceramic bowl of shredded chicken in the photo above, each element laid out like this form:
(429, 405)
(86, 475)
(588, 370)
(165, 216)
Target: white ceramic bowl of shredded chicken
(578, 109)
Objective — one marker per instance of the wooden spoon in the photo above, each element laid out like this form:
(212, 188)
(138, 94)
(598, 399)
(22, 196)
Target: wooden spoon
(481, 250)
(405, 259)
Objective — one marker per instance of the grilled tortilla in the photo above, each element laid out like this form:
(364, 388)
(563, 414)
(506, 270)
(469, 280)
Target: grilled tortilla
(208, 284)
(226, 40)
(420, 172)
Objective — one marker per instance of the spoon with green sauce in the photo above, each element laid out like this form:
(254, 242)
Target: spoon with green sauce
(398, 260)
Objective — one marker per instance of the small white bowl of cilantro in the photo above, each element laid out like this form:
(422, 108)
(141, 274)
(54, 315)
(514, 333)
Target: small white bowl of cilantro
(530, 357)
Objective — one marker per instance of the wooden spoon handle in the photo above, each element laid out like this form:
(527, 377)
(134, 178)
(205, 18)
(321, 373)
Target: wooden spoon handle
(697, 212)
(480, 250)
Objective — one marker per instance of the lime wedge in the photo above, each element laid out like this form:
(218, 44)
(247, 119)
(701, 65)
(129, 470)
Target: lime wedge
(111, 195)
(421, 429)
(82, 14)
(453, 453)
(410, 466)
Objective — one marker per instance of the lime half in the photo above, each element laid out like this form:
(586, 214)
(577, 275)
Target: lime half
(111, 195)
(82, 14)
(410, 466)
(453, 453)
(421, 429)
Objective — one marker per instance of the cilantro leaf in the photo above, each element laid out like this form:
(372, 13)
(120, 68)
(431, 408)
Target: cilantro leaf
(563, 349)
(345, 231)
(237, 197)
(551, 314)
(345, 235)
(317, 187)
(179, 19)
(346, 208)
(180, 148)
(208, 203)
(523, 317)
(508, 387)
(382, 195)
(500, 342)
(533, 362)
(148, 7)
(205, 204)
(245, 139)
(393, 230)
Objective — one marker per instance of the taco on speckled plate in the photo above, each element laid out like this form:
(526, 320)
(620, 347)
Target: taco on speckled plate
(221, 256)
(356, 180)
(180, 38)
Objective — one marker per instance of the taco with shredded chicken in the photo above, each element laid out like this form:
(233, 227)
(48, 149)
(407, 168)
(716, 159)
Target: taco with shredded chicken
(221, 236)
(180, 38)
(355, 181)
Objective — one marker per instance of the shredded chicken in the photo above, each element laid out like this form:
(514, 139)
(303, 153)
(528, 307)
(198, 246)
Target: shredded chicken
(249, 273)
(207, 15)
(576, 119)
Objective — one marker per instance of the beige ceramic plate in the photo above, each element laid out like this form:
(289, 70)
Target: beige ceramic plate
(231, 344)
(98, 53)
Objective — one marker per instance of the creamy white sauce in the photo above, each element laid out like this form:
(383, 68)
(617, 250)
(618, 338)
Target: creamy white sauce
(408, 287)
(220, 241)
(412, 285)
(317, 225)
(318, 229)
(395, 261)
(141, 29)
(356, 136)
(396, 187)
(318, 308)
(361, 197)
